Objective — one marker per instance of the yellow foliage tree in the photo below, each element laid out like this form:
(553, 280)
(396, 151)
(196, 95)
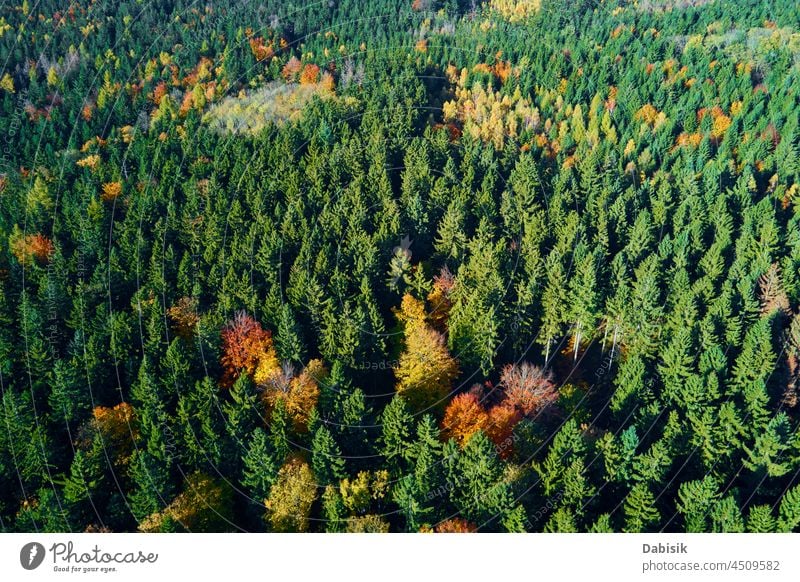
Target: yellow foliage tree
(205, 505)
(425, 370)
(52, 77)
(7, 83)
(487, 114)
(291, 497)
(111, 191)
(516, 10)
(367, 524)
(358, 493)
(91, 161)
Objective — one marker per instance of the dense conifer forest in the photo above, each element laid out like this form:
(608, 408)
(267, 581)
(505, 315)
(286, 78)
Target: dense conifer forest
(400, 266)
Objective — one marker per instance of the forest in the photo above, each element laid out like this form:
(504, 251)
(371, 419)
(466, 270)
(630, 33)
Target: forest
(400, 266)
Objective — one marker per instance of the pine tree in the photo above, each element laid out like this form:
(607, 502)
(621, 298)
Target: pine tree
(326, 458)
(602, 525)
(726, 517)
(789, 511)
(279, 432)
(288, 338)
(82, 486)
(477, 488)
(695, 502)
(768, 454)
(562, 521)
(396, 442)
(641, 513)
(260, 468)
(333, 510)
(760, 519)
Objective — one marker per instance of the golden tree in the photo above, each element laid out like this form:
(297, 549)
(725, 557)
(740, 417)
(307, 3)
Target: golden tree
(299, 393)
(184, 317)
(205, 505)
(290, 499)
(31, 247)
(425, 370)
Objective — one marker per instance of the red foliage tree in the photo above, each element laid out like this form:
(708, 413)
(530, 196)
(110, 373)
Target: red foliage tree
(32, 247)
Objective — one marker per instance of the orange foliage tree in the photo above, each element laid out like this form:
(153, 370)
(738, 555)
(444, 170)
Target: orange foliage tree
(500, 428)
(455, 525)
(260, 50)
(298, 393)
(116, 426)
(111, 191)
(464, 417)
(205, 505)
(31, 247)
(159, 92)
(247, 348)
(439, 299)
(310, 74)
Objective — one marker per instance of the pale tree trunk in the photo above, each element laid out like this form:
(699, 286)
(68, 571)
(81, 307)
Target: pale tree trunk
(605, 335)
(613, 343)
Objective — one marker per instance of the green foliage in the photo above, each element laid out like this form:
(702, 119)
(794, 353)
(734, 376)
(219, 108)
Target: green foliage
(414, 217)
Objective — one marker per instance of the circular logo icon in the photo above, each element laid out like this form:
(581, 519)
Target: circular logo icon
(31, 555)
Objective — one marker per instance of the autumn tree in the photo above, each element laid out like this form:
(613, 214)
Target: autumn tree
(247, 348)
(184, 317)
(425, 369)
(455, 525)
(528, 388)
(290, 499)
(298, 393)
(463, 417)
(205, 505)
